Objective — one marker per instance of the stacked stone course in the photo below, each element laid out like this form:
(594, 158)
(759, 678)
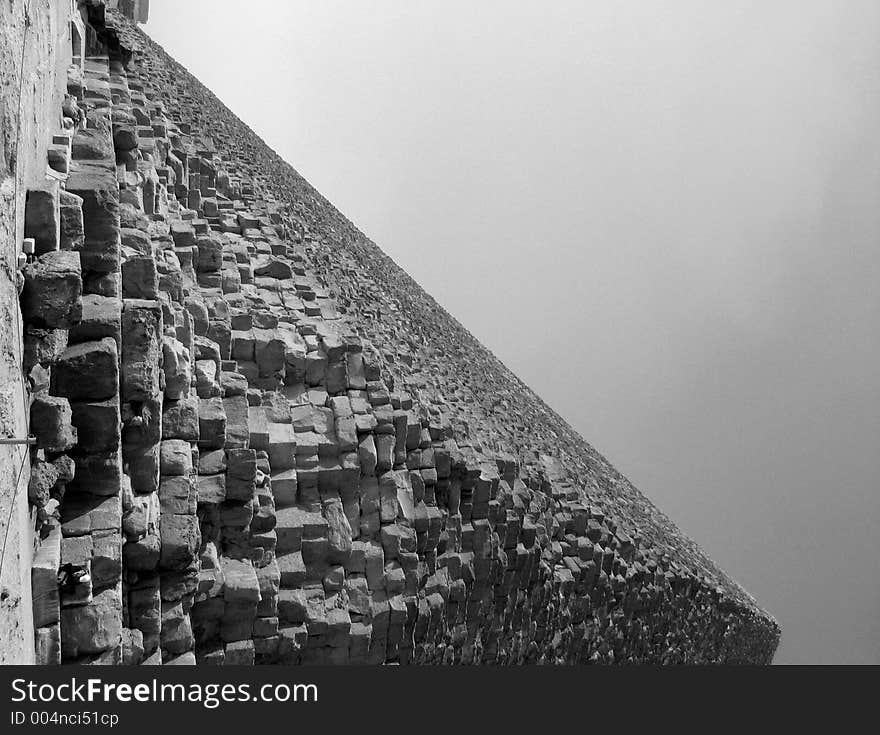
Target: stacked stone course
(283, 451)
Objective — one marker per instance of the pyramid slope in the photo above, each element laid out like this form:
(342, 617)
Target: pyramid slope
(422, 504)
(423, 331)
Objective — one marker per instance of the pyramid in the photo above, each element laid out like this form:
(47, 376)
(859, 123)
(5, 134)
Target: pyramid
(284, 451)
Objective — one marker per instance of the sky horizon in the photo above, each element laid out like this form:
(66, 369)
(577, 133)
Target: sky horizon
(661, 216)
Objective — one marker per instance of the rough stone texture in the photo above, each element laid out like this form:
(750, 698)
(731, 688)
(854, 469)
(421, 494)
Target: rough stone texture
(286, 452)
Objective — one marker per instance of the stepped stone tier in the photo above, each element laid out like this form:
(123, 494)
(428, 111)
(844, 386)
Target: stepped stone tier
(268, 445)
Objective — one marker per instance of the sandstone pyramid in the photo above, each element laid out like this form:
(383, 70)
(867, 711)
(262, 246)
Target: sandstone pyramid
(285, 451)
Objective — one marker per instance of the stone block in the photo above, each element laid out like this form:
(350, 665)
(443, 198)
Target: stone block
(211, 490)
(237, 430)
(70, 215)
(175, 457)
(52, 294)
(92, 628)
(101, 317)
(180, 419)
(282, 446)
(178, 496)
(141, 350)
(51, 423)
(97, 474)
(212, 423)
(180, 541)
(284, 488)
(87, 371)
(242, 584)
(97, 425)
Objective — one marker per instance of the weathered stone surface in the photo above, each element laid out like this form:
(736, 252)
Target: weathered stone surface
(373, 485)
(97, 474)
(175, 457)
(101, 317)
(242, 584)
(180, 419)
(212, 423)
(51, 419)
(97, 425)
(52, 295)
(141, 351)
(180, 540)
(93, 628)
(87, 371)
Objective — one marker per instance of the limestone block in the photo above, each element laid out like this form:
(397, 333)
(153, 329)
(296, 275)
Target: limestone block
(289, 529)
(143, 467)
(243, 345)
(367, 454)
(70, 214)
(211, 490)
(50, 423)
(180, 540)
(183, 233)
(177, 368)
(397, 539)
(339, 535)
(132, 646)
(87, 371)
(47, 642)
(101, 317)
(97, 425)
(180, 419)
(98, 474)
(141, 349)
(239, 653)
(241, 474)
(242, 584)
(43, 346)
(284, 487)
(396, 497)
(282, 446)
(144, 610)
(199, 312)
(93, 628)
(292, 606)
(233, 384)
(212, 423)
(83, 514)
(44, 580)
(237, 428)
(43, 477)
(175, 457)
(384, 452)
(292, 570)
(52, 295)
(269, 351)
(140, 277)
(258, 427)
(207, 384)
(140, 515)
(96, 184)
(176, 636)
(374, 566)
(178, 495)
(106, 557)
(209, 255)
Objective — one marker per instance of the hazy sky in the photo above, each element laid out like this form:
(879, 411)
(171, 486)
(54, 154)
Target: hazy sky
(663, 216)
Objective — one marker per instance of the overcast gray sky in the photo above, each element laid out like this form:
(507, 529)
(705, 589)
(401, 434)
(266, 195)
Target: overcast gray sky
(663, 216)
